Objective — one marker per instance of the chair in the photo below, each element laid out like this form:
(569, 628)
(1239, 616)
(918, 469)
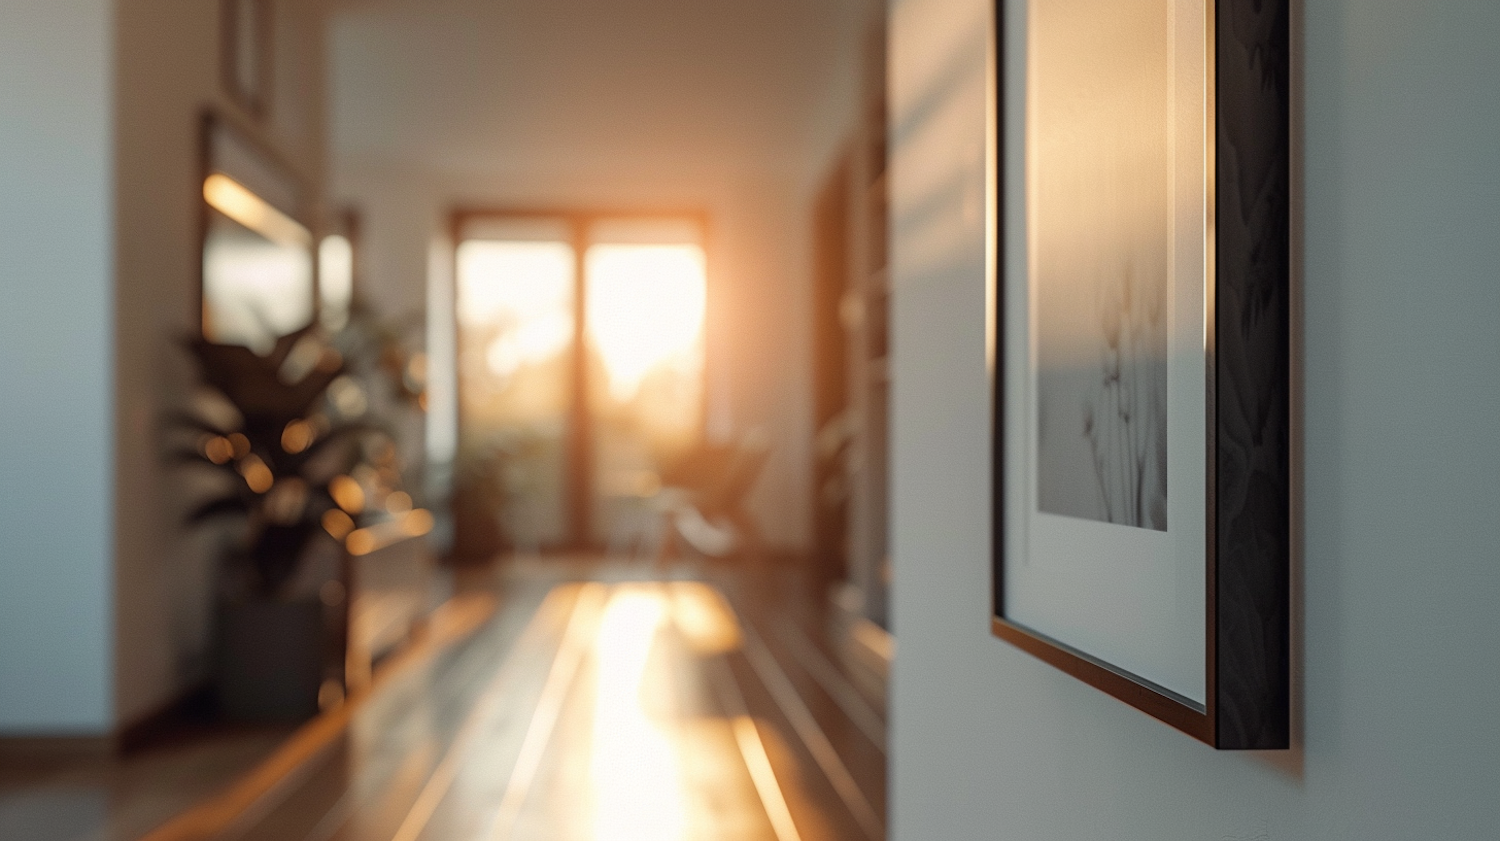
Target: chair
(701, 502)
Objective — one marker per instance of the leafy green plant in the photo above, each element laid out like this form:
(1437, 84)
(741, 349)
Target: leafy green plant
(286, 458)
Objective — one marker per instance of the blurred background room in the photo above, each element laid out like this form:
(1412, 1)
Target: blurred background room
(495, 436)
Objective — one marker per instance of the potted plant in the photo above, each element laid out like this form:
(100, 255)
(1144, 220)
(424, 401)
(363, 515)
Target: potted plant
(284, 457)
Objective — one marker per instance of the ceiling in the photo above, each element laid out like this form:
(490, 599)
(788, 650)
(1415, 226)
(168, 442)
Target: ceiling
(654, 85)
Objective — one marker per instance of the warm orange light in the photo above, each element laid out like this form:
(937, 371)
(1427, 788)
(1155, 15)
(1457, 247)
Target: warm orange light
(705, 619)
(514, 281)
(347, 494)
(635, 770)
(523, 288)
(257, 475)
(239, 444)
(645, 310)
(297, 436)
(758, 762)
(236, 201)
(361, 542)
(337, 523)
(217, 449)
(516, 315)
(398, 502)
(371, 538)
(418, 522)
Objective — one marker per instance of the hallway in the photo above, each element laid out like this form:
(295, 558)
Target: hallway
(592, 706)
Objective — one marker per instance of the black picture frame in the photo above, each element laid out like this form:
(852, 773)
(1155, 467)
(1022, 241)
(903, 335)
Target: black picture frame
(231, 147)
(1248, 486)
(246, 55)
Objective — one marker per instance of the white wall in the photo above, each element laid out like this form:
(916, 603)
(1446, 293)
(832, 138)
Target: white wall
(56, 329)
(1400, 360)
(169, 71)
(105, 598)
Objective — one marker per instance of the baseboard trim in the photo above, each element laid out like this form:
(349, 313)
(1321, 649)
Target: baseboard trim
(147, 730)
(49, 748)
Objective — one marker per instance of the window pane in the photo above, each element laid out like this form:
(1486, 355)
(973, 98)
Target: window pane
(515, 314)
(645, 312)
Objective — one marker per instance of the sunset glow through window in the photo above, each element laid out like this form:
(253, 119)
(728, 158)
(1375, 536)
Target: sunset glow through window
(645, 310)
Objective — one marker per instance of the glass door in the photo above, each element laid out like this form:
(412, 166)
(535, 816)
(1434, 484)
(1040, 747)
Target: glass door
(581, 374)
(646, 288)
(516, 300)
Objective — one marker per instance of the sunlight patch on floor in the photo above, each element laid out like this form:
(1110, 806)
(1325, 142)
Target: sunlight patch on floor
(634, 769)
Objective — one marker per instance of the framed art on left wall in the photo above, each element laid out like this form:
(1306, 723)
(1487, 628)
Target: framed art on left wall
(1141, 354)
(245, 40)
(259, 276)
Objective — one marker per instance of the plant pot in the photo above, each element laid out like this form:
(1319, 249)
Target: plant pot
(270, 663)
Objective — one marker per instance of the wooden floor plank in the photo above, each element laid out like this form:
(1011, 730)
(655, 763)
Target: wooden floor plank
(626, 709)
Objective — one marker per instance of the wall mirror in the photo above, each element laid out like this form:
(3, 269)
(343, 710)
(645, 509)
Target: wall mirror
(259, 276)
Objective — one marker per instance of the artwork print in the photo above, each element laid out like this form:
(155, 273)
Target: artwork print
(1141, 331)
(1099, 177)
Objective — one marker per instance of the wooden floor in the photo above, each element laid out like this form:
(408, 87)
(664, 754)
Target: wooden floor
(595, 704)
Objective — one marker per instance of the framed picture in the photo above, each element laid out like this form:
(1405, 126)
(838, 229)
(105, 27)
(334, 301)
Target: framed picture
(246, 39)
(259, 273)
(1141, 354)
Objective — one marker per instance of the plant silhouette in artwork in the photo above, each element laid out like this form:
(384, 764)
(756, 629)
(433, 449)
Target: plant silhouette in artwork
(1125, 419)
(286, 454)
